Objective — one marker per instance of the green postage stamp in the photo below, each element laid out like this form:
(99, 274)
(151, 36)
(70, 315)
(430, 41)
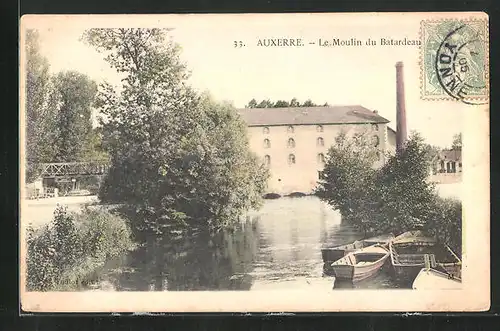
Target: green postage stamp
(454, 62)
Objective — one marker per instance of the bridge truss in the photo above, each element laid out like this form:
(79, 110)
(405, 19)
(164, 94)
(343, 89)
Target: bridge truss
(73, 169)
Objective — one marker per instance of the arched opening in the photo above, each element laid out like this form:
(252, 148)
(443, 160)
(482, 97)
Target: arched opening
(320, 141)
(267, 160)
(290, 129)
(319, 128)
(291, 143)
(267, 143)
(265, 130)
(291, 159)
(321, 158)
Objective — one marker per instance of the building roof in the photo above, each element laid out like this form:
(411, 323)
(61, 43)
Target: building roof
(310, 115)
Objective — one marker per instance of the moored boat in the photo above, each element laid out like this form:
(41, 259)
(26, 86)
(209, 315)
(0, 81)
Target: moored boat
(332, 254)
(360, 264)
(432, 279)
(408, 253)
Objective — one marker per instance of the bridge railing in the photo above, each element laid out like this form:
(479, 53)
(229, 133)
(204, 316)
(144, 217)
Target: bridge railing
(60, 169)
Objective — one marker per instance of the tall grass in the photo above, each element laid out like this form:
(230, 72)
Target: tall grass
(72, 250)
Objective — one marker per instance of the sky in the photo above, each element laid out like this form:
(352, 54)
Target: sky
(349, 75)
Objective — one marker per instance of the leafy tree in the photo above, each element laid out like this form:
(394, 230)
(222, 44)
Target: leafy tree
(294, 103)
(178, 157)
(348, 183)
(76, 93)
(281, 104)
(308, 103)
(41, 128)
(445, 222)
(457, 142)
(406, 195)
(252, 104)
(265, 104)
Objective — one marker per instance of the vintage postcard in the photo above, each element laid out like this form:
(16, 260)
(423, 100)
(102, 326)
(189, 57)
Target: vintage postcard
(255, 163)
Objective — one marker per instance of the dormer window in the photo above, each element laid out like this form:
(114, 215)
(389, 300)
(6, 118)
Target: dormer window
(265, 130)
(290, 129)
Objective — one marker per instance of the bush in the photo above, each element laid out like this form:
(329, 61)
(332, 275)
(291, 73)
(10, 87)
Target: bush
(395, 198)
(72, 250)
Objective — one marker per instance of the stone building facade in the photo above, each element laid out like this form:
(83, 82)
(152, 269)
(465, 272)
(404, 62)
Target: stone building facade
(293, 142)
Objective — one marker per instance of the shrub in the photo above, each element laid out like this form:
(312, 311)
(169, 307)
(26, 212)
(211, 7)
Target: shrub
(74, 248)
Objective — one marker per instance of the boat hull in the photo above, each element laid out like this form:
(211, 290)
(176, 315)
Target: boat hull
(349, 269)
(357, 273)
(434, 280)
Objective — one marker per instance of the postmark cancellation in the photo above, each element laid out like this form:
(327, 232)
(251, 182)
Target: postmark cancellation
(454, 60)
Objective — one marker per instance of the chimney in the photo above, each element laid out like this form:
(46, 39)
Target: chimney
(400, 108)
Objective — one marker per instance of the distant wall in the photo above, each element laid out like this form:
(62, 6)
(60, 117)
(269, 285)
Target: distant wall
(446, 178)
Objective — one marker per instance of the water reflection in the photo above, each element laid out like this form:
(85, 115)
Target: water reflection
(278, 246)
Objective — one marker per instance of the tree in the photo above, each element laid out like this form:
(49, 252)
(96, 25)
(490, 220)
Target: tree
(294, 103)
(265, 104)
(252, 104)
(281, 104)
(76, 93)
(177, 157)
(308, 103)
(348, 183)
(457, 142)
(406, 195)
(41, 128)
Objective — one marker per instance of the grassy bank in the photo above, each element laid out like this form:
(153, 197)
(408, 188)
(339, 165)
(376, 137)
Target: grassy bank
(72, 251)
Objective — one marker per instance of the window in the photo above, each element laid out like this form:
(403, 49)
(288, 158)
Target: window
(320, 142)
(374, 127)
(376, 141)
(319, 128)
(321, 158)
(291, 159)
(265, 130)
(290, 129)
(267, 160)
(267, 143)
(291, 143)
(321, 175)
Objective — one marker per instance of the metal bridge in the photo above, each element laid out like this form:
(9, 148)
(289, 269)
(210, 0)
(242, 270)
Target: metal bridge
(72, 169)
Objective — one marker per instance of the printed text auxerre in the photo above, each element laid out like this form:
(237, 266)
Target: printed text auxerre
(336, 42)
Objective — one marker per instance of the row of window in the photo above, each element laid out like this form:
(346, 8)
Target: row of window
(291, 142)
(319, 142)
(319, 128)
(292, 160)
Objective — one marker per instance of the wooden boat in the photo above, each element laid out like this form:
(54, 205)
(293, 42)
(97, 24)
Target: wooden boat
(334, 253)
(408, 253)
(360, 264)
(432, 279)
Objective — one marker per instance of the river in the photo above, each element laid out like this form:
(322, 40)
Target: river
(277, 247)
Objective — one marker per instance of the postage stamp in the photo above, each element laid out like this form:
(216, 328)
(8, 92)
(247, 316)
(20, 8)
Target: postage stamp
(454, 63)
